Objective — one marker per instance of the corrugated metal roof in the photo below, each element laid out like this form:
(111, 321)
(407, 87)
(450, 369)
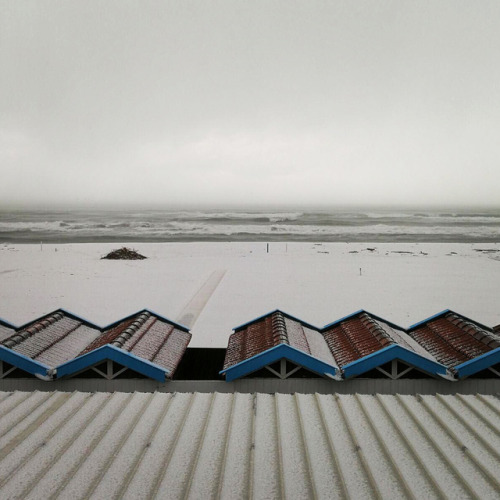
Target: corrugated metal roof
(102, 445)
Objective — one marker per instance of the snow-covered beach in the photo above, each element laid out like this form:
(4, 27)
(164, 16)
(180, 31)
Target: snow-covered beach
(214, 287)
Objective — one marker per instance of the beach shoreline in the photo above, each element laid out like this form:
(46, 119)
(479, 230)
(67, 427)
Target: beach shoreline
(227, 284)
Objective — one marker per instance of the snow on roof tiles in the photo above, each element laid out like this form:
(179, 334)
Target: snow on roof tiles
(214, 445)
(53, 339)
(59, 337)
(271, 331)
(5, 332)
(453, 340)
(356, 337)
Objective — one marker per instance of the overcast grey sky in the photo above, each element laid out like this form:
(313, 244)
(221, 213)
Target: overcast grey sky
(171, 102)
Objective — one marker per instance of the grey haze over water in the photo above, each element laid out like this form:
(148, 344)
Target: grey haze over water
(366, 102)
(252, 225)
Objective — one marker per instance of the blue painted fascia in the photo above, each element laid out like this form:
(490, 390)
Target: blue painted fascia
(272, 356)
(446, 311)
(478, 364)
(357, 313)
(6, 323)
(263, 316)
(388, 354)
(78, 318)
(430, 318)
(115, 323)
(344, 318)
(179, 326)
(116, 354)
(60, 310)
(23, 362)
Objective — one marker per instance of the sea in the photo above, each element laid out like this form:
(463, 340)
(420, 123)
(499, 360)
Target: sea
(325, 225)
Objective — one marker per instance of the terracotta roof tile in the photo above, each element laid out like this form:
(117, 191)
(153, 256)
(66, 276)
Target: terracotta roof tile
(53, 339)
(5, 332)
(454, 340)
(58, 338)
(270, 331)
(356, 337)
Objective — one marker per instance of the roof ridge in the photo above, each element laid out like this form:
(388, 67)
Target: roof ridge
(373, 325)
(280, 335)
(135, 341)
(120, 340)
(34, 328)
(460, 322)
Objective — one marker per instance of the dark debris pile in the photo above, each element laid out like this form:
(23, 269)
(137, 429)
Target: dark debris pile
(124, 254)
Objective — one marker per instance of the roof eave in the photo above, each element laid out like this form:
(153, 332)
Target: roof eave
(273, 355)
(390, 353)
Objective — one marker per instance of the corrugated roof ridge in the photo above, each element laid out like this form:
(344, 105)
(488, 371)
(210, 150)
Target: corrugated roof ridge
(30, 331)
(280, 335)
(375, 329)
(130, 330)
(493, 341)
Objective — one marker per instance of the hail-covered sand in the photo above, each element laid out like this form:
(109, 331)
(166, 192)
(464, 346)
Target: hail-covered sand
(318, 283)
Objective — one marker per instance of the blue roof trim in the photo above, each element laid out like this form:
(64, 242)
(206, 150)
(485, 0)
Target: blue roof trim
(115, 323)
(113, 353)
(390, 353)
(430, 318)
(336, 322)
(478, 364)
(6, 323)
(92, 324)
(446, 311)
(23, 362)
(357, 313)
(61, 310)
(80, 318)
(180, 326)
(289, 316)
(275, 354)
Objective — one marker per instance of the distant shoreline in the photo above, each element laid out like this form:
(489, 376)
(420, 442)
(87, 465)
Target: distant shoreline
(357, 226)
(16, 239)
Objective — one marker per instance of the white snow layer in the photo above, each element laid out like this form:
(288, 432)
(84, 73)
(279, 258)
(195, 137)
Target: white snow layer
(75, 445)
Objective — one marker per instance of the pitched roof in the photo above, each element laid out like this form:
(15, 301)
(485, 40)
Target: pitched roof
(453, 339)
(52, 339)
(355, 339)
(114, 445)
(269, 332)
(5, 332)
(60, 337)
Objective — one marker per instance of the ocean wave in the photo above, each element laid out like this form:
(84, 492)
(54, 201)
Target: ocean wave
(224, 225)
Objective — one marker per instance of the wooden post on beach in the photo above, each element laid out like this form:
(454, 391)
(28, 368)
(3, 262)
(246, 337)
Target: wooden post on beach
(41, 247)
(360, 271)
(268, 248)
